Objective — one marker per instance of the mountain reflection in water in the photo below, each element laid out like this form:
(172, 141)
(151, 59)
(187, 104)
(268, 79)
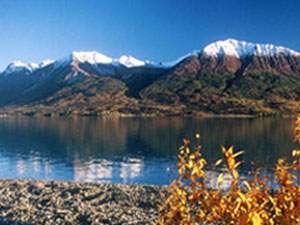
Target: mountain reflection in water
(130, 150)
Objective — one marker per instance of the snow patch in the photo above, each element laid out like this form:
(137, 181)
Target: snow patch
(240, 49)
(91, 57)
(18, 66)
(129, 61)
(46, 63)
(98, 58)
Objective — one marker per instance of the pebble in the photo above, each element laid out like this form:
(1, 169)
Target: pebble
(29, 201)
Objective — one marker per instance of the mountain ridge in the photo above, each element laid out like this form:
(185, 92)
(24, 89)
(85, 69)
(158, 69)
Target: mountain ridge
(225, 77)
(229, 47)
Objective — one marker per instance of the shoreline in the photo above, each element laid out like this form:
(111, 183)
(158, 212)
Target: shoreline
(238, 116)
(32, 201)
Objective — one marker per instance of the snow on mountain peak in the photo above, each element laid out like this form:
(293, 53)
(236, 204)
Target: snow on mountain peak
(33, 66)
(129, 61)
(98, 58)
(18, 66)
(45, 63)
(91, 57)
(240, 49)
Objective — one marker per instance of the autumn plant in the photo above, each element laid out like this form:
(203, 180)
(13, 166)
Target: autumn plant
(248, 201)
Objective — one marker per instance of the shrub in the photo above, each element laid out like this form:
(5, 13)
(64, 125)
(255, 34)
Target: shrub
(251, 201)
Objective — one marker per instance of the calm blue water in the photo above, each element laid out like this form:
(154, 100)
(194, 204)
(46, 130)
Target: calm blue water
(130, 150)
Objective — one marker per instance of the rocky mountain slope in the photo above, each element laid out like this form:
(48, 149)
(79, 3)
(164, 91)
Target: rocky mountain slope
(226, 77)
(233, 77)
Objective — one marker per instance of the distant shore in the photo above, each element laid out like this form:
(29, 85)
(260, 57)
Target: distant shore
(29, 201)
(122, 115)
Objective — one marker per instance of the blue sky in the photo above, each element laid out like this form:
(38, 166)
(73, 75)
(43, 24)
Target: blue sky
(158, 30)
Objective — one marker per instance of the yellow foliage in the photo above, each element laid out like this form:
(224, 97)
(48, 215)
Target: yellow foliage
(251, 202)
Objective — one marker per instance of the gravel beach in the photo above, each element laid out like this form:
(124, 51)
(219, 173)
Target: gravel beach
(27, 201)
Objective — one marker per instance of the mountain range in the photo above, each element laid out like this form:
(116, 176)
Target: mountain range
(226, 77)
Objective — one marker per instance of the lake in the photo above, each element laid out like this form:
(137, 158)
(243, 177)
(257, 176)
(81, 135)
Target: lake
(131, 150)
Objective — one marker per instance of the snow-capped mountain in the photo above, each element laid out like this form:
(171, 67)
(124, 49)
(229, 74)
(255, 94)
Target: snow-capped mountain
(80, 57)
(241, 49)
(232, 55)
(36, 80)
(229, 47)
(18, 66)
(91, 57)
(232, 76)
(210, 79)
(24, 68)
(96, 58)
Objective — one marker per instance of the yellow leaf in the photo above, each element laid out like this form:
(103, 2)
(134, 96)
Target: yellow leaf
(219, 162)
(247, 184)
(242, 196)
(235, 174)
(256, 220)
(223, 149)
(272, 200)
(230, 150)
(238, 206)
(192, 156)
(237, 164)
(238, 153)
(294, 152)
(187, 150)
(180, 171)
(182, 209)
(220, 179)
(190, 164)
(194, 171)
